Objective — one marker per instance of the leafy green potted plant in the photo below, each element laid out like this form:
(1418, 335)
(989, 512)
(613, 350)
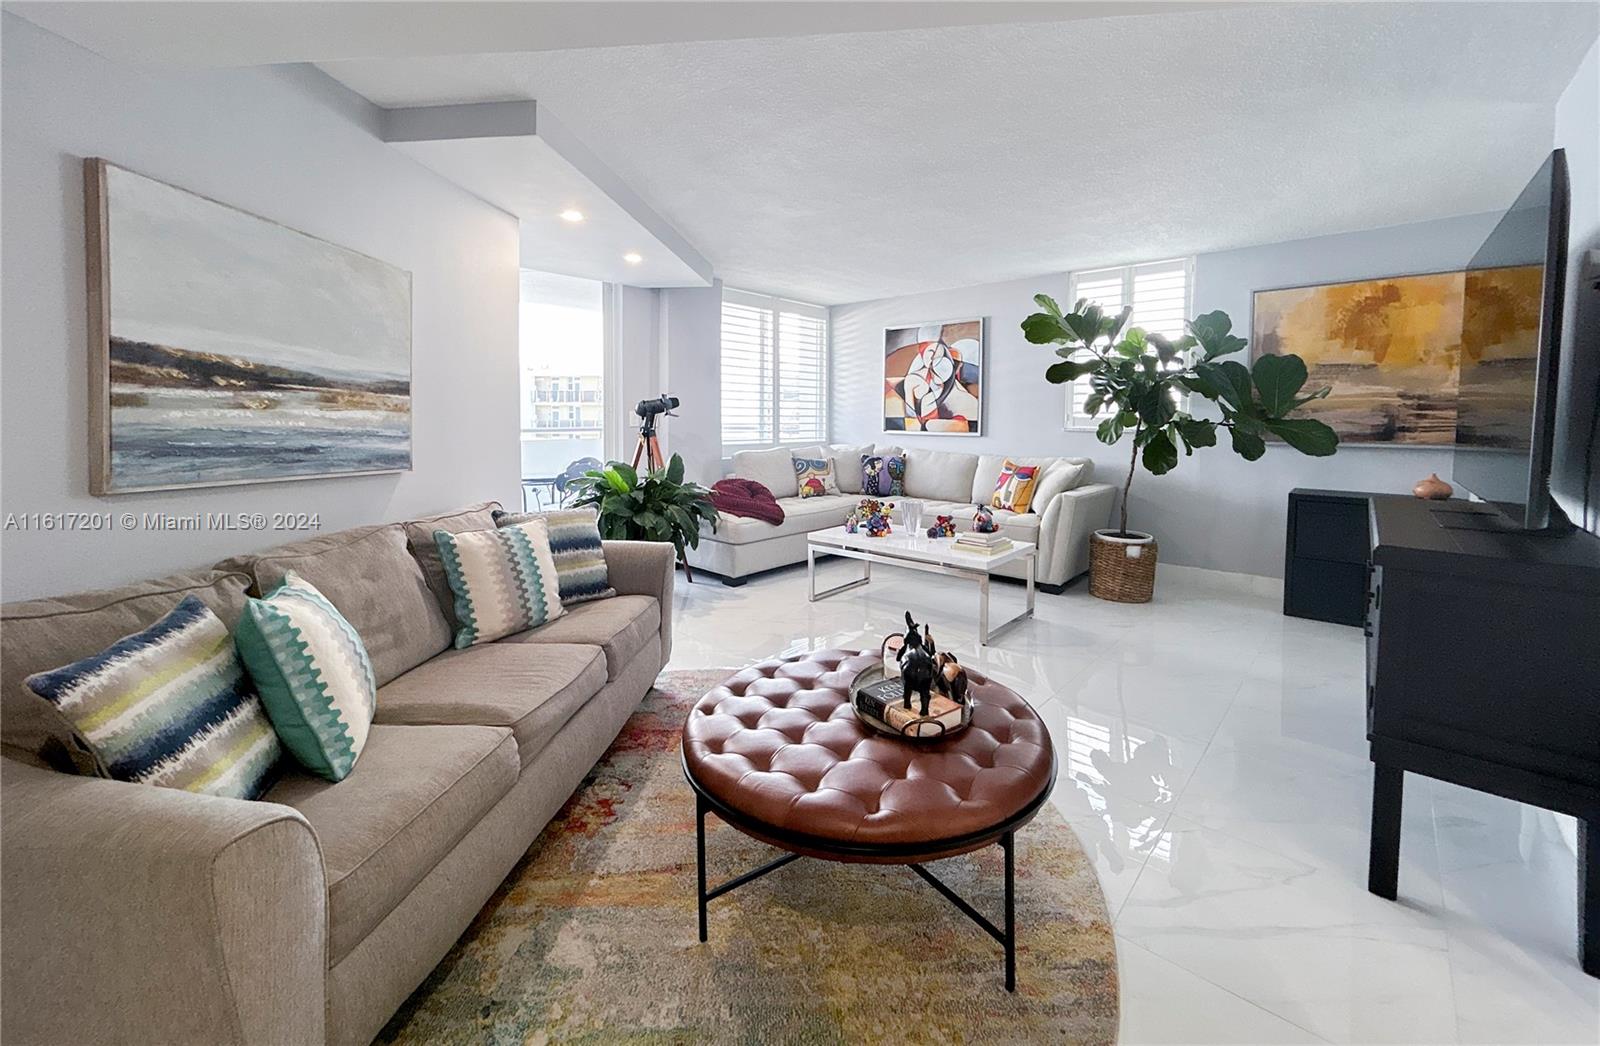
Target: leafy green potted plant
(657, 506)
(1137, 380)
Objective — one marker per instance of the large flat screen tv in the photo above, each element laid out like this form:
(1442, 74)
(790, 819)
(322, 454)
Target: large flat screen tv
(1510, 341)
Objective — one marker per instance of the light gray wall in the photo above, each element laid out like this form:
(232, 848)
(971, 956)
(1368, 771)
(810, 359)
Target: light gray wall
(1215, 510)
(295, 147)
(1578, 132)
(691, 344)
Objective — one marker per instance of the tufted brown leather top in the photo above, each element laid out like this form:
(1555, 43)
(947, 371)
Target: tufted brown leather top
(779, 746)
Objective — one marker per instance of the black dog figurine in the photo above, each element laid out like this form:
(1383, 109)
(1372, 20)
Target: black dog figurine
(916, 666)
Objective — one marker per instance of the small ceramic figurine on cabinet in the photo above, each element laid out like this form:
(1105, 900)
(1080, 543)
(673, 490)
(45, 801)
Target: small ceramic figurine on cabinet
(983, 521)
(916, 666)
(943, 527)
(950, 677)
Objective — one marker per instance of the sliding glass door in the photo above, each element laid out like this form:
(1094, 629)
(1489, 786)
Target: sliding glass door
(563, 382)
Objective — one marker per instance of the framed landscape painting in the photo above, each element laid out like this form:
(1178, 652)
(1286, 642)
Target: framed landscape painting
(1391, 348)
(933, 378)
(226, 349)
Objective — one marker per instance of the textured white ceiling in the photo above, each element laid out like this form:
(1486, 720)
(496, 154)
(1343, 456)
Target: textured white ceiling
(853, 166)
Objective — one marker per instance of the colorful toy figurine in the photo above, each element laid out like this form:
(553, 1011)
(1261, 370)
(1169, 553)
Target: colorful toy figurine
(873, 515)
(916, 666)
(950, 678)
(983, 521)
(943, 527)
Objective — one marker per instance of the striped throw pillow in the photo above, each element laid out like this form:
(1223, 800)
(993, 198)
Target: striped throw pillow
(313, 674)
(504, 580)
(170, 706)
(575, 546)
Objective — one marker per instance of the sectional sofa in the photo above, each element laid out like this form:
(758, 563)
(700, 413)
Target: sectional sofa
(141, 915)
(1066, 508)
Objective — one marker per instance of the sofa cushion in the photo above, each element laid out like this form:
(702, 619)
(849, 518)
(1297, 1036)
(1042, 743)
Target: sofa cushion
(532, 690)
(940, 474)
(40, 634)
(847, 465)
(313, 673)
(800, 516)
(575, 546)
(1015, 489)
(987, 476)
(883, 475)
(1064, 474)
(504, 580)
(416, 792)
(815, 476)
(773, 469)
(621, 626)
(376, 584)
(425, 550)
(170, 706)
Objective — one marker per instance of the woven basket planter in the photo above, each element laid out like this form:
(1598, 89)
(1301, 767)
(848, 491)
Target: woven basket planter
(1122, 569)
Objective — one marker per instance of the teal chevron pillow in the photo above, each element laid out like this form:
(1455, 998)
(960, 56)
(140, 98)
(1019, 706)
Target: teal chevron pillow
(169, 706)
(575, 546)
(313, 674)
(504, 580)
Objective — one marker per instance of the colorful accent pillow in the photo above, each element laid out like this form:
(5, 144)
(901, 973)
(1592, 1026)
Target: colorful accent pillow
(815, 477)
(575, 546)
(883, 475)
(313, 674)
(170, 706)
(504, 580)
(1014, 490)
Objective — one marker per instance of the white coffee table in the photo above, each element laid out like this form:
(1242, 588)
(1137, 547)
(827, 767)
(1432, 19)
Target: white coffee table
(915, 552)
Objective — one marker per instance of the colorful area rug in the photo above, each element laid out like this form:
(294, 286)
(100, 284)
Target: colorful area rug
(593, 936)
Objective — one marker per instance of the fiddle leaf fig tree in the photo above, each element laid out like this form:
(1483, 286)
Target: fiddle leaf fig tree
(1136, 381)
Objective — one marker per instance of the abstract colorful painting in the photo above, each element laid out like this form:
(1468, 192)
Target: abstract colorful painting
(933, 378)
(226, 348)
(1391, 348)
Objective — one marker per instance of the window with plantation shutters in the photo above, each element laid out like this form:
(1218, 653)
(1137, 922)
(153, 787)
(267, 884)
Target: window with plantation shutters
(1160, 295)
(774, 370)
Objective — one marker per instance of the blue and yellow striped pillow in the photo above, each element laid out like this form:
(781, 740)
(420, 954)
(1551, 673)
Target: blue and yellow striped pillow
(504, 580)
(313, 673)
(575, 546)
(170, 706)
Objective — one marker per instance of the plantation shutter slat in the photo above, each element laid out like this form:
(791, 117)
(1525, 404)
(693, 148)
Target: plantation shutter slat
(1160, 295)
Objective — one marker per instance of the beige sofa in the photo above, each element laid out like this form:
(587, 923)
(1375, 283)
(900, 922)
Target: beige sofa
(140, 915)
(1067, 507)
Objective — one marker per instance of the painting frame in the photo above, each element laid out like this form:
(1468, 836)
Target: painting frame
(1396, 387)
(975, 423)
(98, 285)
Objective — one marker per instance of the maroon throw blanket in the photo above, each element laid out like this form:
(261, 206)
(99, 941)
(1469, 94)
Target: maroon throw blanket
(746, 497)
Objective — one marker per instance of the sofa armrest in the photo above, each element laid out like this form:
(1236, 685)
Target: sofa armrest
(644, 568)
(1069, 519)
(142, 914)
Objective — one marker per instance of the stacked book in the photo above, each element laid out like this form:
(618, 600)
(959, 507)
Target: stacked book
(982, 544)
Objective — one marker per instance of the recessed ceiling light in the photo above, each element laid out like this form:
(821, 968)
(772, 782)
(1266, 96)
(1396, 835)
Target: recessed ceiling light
(572, 214)
(633, 257)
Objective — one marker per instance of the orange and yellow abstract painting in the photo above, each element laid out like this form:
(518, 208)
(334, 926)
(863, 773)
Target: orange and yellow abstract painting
(933, 378)
(1391, 348)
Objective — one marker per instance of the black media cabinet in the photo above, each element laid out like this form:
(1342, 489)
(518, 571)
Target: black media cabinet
(1325, 556)
(1483, 669)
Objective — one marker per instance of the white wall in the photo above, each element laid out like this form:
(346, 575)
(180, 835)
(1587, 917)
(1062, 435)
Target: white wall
(691, 352)
(295, 147)
(1215, 510)
(1578, 132)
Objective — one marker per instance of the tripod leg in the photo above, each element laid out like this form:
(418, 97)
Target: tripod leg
(656, 460)
(638, 452)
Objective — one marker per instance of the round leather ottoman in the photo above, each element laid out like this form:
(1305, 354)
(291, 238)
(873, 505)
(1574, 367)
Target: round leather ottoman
(777, 752)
